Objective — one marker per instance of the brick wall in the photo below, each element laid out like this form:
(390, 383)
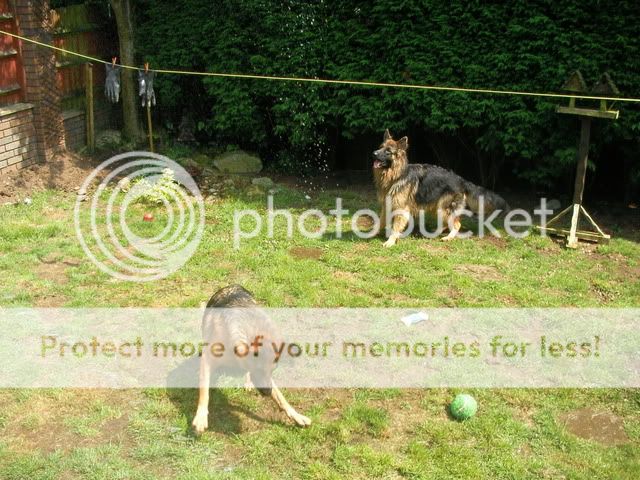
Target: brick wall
(75, 125)
(34, 131)
(75, 129)
(34, 21)
(17, 137)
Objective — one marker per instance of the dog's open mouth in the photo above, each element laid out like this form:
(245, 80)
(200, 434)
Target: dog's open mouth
(377, 164)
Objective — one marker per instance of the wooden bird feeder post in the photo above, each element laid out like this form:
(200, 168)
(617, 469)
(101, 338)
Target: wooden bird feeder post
(575, 84)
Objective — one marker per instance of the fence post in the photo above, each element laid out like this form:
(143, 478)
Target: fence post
(91, 133)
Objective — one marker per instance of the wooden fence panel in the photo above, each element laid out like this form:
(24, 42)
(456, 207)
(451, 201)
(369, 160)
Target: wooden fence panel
(11, 71)
(75, 29)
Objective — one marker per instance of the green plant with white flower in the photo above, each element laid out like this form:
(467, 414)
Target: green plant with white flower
(164, 189)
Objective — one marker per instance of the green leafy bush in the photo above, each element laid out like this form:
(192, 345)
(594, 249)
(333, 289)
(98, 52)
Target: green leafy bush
(163, 189)
(524, 46)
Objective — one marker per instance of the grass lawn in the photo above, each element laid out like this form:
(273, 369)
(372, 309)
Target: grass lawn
(145, 434)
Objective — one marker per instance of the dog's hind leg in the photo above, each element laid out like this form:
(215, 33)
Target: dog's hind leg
(282, 403)
(453, 220)
(201, 420)
(453, 231)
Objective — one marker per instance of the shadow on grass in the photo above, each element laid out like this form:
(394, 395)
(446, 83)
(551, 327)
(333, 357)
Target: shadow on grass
(468, 225)
(224, 416)
(349, 236)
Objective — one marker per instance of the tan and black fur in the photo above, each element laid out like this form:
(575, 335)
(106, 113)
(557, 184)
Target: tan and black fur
(232, 318)
(412, 188)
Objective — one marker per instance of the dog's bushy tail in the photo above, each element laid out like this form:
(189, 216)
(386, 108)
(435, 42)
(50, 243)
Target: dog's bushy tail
(492, 201)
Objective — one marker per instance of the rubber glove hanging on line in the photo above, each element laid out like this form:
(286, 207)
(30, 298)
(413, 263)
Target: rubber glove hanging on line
(112, 83)
(145, 80)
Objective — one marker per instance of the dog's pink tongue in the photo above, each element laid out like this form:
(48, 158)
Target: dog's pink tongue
(377, 164)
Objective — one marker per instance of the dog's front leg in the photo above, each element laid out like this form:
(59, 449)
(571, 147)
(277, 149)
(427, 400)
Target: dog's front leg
(383, 221)
(400, 221)
(277, 396)
(201, 420)
(248, 384)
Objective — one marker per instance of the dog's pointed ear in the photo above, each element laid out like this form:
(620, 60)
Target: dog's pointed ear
(387, 135)
(403, 143)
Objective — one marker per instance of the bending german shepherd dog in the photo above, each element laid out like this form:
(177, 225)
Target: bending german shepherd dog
(233, 319)
(433, 189)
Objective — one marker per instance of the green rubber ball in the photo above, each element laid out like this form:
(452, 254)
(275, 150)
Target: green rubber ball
(463, 407)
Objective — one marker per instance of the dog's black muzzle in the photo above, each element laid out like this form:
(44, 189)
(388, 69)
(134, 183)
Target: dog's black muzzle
(381, 159)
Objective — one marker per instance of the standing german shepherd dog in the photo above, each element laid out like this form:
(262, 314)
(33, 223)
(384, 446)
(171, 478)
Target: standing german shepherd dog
(414, 188)
(233, 319)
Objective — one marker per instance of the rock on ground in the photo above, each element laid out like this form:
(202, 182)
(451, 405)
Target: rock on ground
(263, 182)
(108, 139)
(238, 162)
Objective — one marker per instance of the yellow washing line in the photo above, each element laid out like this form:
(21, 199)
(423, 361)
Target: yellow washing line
(329, 81)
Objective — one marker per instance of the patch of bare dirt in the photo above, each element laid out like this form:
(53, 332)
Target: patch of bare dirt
(344, 275)
(525, 450)
(590, 249)
(66, 172)
(58, 258)
(361, 247)
(616, 257)
(451, 292)
(241, 277)
(55, 273)
(499, 242)
(306, 253)
(479, 272)
(550, 248)
(435, 246)
(57, 436)
(399, 278)
(509, 301)
(631, 272)
(524, 414)
(50, 301)
(72, 262)
(602, 427)
(58, 215)
(400, 297)
(51, 433)
(602, 293)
